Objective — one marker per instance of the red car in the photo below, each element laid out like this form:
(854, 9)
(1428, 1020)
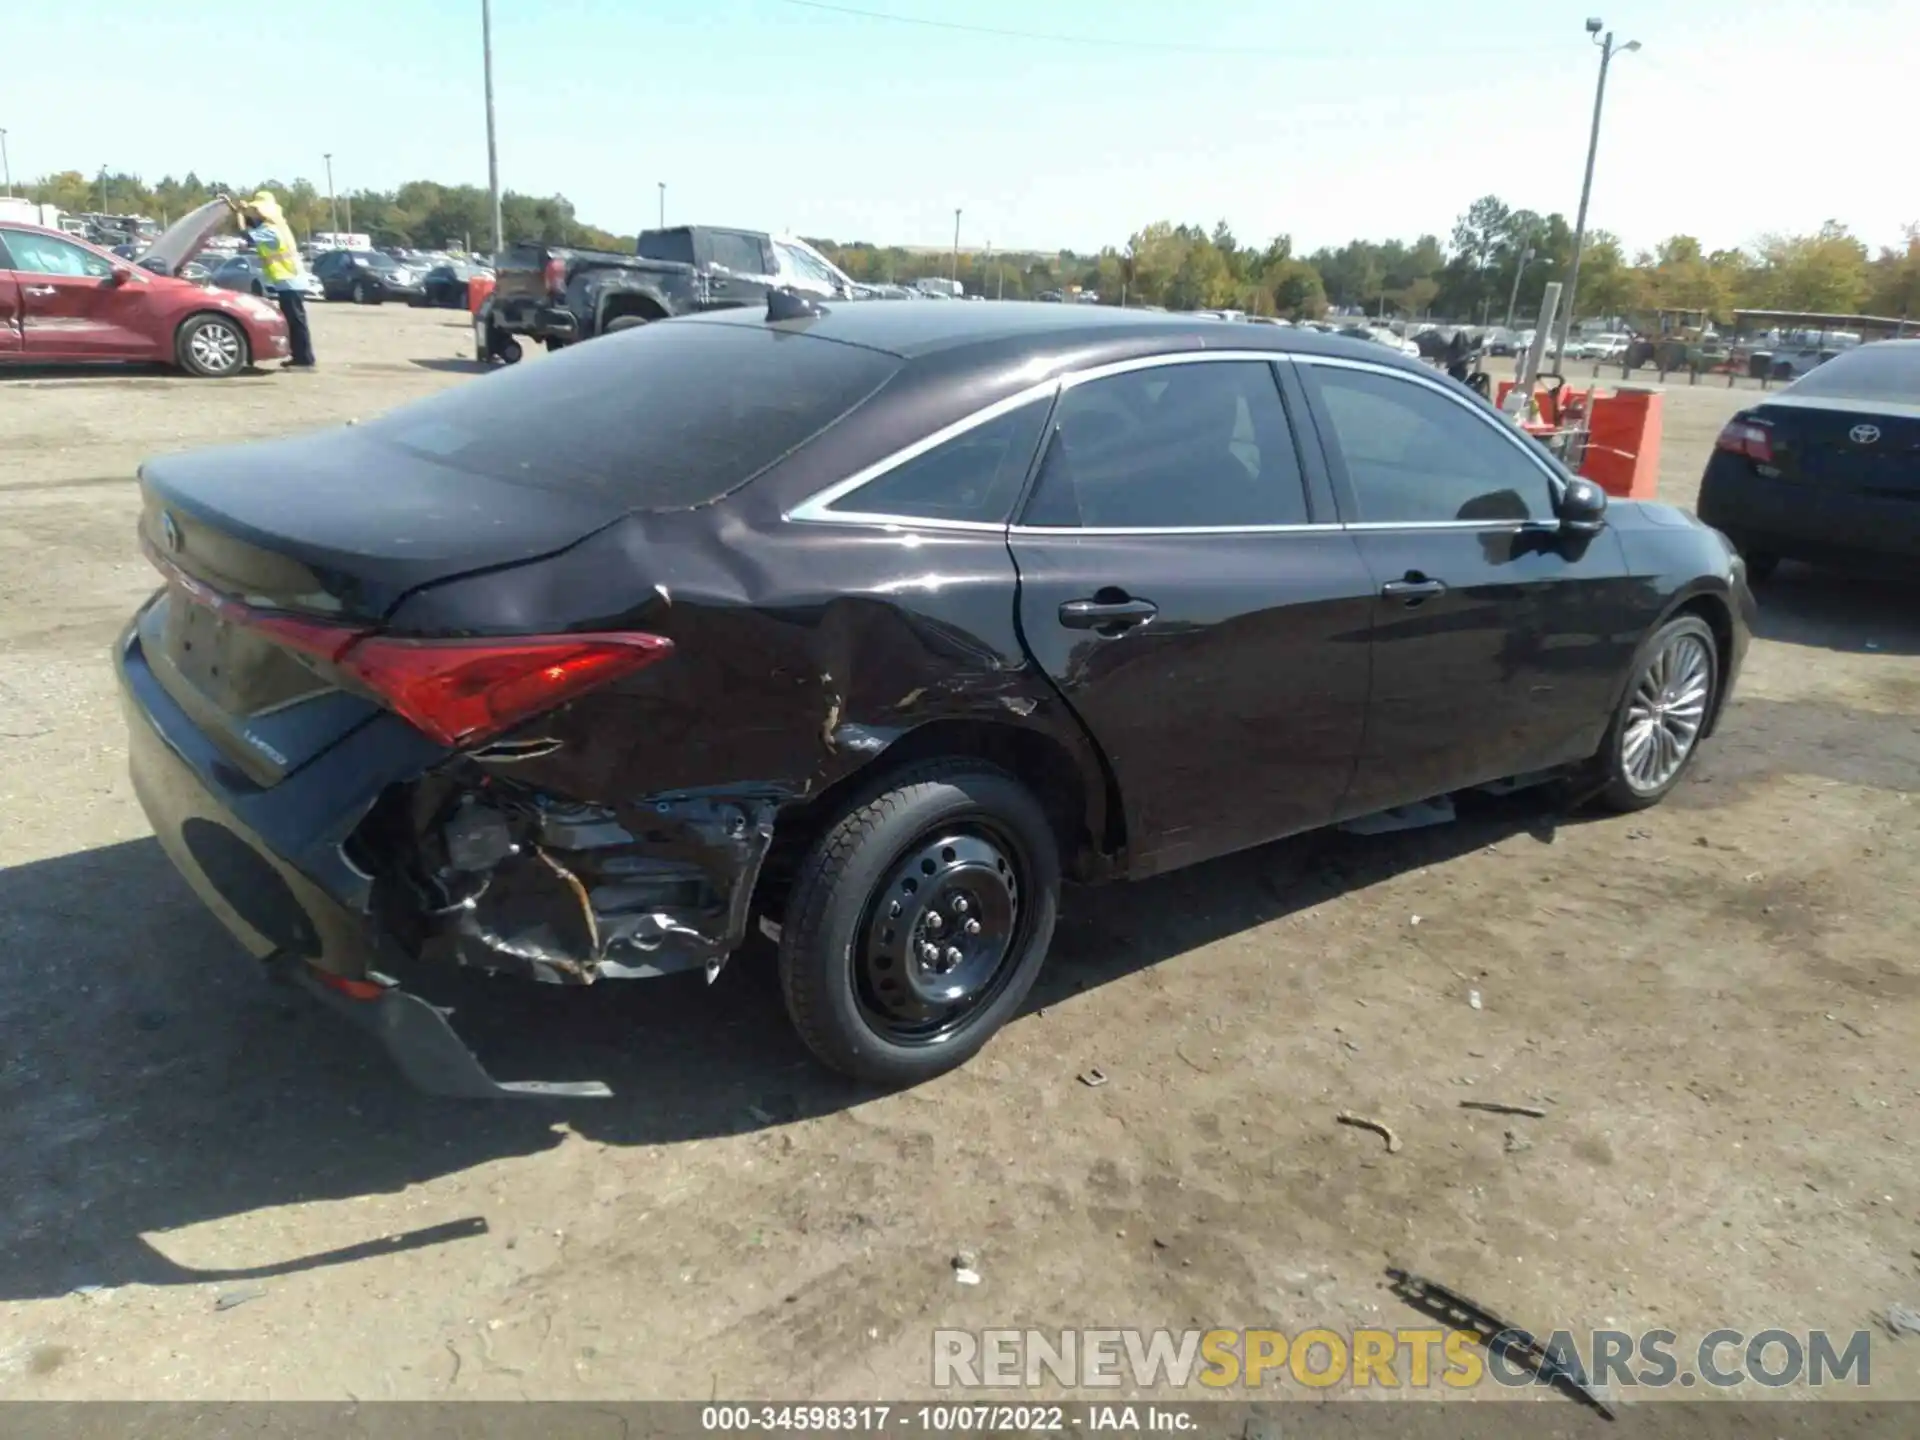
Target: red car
(63, 300)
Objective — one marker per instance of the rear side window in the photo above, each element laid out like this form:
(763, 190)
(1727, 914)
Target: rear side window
(1885, 371)
(661, 418)
(1172, 447)
(975, 476)
(675, 246)
(739, 253)
(6, 260)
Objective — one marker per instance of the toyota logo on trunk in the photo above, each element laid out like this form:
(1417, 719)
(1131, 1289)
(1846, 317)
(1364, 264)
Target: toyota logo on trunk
(1864, 434)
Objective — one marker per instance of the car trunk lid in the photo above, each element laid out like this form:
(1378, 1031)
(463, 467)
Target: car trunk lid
(1845, 444)
(331, 527)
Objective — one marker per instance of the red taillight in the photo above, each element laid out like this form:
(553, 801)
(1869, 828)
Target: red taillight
(1748, 438)
(556, 278)
(460, 692)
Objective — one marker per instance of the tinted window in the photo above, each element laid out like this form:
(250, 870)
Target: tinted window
(808, 268)
(1179, 445)
(1413, 454)
(6, 260)
(739, 253)
(1883, 371)
(662, 417)
(674, 245)
(44, 255)
(975, 476)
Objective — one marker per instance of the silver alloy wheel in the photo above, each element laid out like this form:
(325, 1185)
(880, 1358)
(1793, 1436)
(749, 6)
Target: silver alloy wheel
(1664, 717)
(216, 347)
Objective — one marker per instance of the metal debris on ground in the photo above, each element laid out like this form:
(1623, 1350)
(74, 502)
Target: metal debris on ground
(1500, 1107)
(1453, 1308)
(1093, 1077)
(1379, 1127)
(229, 1299)
(967, 1277)
(1473, 999)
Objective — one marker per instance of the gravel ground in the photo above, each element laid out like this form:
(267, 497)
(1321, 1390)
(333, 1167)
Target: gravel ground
(1717, 1004)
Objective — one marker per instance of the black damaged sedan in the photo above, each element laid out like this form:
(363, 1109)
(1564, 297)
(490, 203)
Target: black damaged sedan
(867, 626)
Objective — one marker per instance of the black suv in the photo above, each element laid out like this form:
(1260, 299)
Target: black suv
(366, 277)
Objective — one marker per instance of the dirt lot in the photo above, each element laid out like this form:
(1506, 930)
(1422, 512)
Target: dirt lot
(1718, 1004)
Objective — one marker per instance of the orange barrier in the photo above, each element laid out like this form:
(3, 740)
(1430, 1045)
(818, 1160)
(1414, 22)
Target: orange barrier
(1623, 440)
(479, 287)
(1623, 444)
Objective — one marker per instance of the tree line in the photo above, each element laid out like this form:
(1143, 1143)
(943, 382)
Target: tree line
(1495, 259)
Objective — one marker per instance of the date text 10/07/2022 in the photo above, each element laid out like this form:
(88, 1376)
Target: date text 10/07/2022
(944, 1419)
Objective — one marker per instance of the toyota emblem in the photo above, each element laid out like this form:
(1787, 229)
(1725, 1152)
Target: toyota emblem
(1864, 434)
(170, 531)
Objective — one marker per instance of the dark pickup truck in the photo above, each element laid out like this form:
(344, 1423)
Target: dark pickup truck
(559, 295)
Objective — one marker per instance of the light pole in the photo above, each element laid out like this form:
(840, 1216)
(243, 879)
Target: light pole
(956, 245)
(333, 205)
(6, 164)
(663, 204)
(1527, 257)
(493, 152)
(1607, 51)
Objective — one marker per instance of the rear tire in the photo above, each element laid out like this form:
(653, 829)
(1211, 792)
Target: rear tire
(211, 346)
(955, 851)
(626, 322)
(1656, 732)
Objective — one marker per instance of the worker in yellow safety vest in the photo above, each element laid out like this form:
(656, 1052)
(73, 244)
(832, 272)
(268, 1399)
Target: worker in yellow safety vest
(267, 231)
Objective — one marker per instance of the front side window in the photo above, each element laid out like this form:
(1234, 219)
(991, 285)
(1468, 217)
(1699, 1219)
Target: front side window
(975, 476)
(1416, 456)
(44, 255)
(1172, 447)
(807, 268)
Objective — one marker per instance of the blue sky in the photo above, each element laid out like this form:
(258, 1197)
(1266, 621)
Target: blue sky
(1324, 119)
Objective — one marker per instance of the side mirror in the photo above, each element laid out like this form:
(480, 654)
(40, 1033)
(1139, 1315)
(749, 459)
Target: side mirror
(1583, 506)
(119, 275)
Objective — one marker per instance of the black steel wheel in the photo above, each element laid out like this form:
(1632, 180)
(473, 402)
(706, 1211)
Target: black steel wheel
(917, 923)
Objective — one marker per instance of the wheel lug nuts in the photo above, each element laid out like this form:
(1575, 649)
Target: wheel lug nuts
(960, 904)
(934, 921)
(930, 953)
(953, 956)
(973, 927)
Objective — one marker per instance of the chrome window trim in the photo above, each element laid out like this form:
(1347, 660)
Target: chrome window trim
(815, 508)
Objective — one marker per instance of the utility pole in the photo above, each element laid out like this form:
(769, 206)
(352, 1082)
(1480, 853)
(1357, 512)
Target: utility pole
(1607, 51)
(663, 204)
(493, 151)
(333, 205)
(6, 164)
(956, 245)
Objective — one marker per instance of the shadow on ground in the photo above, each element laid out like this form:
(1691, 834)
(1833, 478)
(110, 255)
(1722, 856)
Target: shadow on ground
(153, 1078)
(1834, 609)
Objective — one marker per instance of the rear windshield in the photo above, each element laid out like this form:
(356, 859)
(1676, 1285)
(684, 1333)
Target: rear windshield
(1868, 372)
(674, 245)
(659, 418)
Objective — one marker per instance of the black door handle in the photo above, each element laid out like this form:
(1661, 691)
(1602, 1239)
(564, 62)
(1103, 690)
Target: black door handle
(1113, 615)
(1414, 589)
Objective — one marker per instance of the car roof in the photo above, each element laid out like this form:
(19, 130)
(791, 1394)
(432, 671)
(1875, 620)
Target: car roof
(1091, 334)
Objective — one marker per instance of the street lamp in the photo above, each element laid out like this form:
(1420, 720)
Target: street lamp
(663, 204)
(6, 164)
(956, 245)
(493, 152)
(333, 205)
(1607, 51)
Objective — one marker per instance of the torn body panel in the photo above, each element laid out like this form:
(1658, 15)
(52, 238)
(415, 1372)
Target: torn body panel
(492, 873)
